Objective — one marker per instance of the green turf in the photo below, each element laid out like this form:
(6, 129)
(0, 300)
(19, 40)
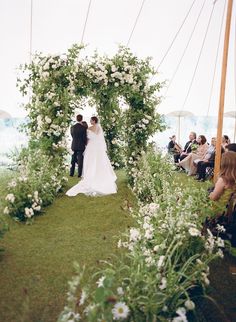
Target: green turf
(38, 259)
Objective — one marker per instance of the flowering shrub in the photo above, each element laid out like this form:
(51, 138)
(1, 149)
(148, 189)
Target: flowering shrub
(168, 256)
(35, 187)
(148, 183)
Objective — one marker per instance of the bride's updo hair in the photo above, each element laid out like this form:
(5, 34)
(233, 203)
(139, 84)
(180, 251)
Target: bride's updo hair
(95, 119)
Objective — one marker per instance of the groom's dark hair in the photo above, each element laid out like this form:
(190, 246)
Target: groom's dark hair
(79, 118)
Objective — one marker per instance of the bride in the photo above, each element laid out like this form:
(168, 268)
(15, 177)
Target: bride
(98, 177)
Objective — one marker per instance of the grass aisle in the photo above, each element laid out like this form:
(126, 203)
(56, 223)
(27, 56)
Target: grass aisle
(38, 258)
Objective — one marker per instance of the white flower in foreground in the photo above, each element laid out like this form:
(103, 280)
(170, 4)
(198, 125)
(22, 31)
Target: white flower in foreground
(23, 179)
(10, 197)
(194, 232)
(119, 244)
(205, 279)
(36, 195)
(120, 291)
(181, 315)
(29, 212)
(134, 235)
(220, 253)
(165, 308)
(220, 228)
(12, 184)
(160, 261)
(100, 281)
(82, 298)
(120, 311)
(6, 211)
(77, 317)
(156, 248)
(48, 120)
(220, 242)
(189, 305)
(163, 284)
(37, 208)
(199, 261)
(148, 234)
(149, 261)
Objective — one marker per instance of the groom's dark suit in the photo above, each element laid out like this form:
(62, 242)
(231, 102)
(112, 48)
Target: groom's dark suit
(79, 141)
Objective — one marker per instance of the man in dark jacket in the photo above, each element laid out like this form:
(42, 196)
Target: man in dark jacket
(187, 148)
(79, 141)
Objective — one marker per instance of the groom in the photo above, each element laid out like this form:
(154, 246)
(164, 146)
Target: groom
(79, 140)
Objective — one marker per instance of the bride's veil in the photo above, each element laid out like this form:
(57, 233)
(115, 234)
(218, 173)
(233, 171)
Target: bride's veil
(100, 136)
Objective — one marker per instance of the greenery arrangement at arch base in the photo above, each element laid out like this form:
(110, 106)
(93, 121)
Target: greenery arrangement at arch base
(57, 85)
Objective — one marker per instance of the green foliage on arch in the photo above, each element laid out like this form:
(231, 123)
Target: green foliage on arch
(58, 84)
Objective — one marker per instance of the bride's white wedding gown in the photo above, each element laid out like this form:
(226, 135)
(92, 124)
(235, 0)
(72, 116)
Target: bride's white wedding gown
(98, 176)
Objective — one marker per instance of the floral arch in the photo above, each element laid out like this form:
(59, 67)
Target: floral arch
(57, 85)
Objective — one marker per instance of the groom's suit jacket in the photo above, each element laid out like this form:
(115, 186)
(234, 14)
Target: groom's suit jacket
(79, 137)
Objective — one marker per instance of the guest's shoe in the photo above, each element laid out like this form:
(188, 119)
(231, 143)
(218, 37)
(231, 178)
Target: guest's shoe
(71, 175)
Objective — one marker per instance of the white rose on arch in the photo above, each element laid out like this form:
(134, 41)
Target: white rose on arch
(48, 120)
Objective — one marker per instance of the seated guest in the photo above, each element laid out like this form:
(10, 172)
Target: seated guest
(188, 162)
(225, 141)
(230, 147)
(224, 196)
(187, 148)
(174, 148)
(226, 182)
(207, 161)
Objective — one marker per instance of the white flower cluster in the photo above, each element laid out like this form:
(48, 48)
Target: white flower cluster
(120, 311)
(10, 197)
(60, 145)
(36, 204)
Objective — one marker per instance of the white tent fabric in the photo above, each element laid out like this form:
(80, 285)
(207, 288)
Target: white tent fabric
(57, 24)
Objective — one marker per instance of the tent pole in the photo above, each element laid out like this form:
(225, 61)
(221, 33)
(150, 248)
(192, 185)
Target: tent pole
(222, 91)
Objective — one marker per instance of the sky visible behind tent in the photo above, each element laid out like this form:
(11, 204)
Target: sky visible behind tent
(57, 24)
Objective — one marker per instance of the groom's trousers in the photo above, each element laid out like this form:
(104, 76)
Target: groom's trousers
(77, 157)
